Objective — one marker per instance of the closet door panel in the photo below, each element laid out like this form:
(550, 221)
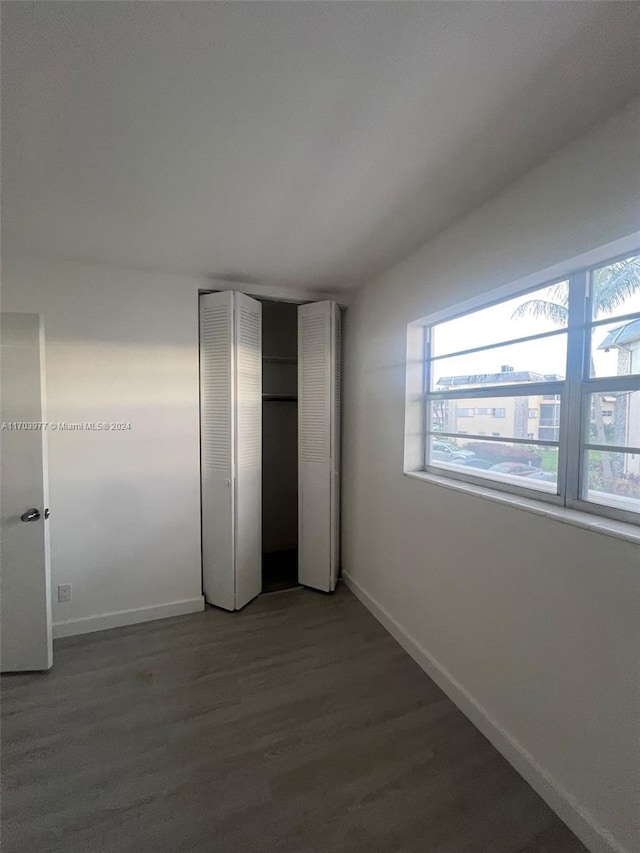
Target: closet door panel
(314, 524)
(217, 450)
(336, 421)
(248, 531)
(318, 445)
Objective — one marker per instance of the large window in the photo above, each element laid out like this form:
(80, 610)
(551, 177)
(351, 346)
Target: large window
(559, 365)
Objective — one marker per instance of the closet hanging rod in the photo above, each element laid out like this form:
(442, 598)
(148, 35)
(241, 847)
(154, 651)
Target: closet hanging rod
(279, 398)
(280, 359)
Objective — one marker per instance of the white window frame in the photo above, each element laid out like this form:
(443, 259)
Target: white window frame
(573, 390)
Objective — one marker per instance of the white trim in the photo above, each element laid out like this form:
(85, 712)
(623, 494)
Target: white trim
(577, 518)
(119, 618)
(280, 293)
(45, 487)
(538, 279)
(582, 822)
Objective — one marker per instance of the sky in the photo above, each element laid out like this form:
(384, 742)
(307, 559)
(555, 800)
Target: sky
(495, 324)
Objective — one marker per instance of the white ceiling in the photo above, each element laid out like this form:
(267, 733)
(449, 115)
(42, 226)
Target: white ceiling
(304, 143)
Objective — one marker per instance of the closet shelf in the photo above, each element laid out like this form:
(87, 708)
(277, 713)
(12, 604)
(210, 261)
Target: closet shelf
(280, 359)
(281, 398)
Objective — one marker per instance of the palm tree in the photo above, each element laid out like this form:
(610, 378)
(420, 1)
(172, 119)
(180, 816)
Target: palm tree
(612, 286)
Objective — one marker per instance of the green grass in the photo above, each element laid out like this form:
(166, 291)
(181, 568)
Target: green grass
(548, 460)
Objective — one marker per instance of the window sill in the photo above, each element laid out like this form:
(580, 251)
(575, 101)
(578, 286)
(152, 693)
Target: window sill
(577, 518)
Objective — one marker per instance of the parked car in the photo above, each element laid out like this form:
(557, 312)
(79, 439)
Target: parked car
(445, 452)
(517, 468)
(547, 476)
(475, 462)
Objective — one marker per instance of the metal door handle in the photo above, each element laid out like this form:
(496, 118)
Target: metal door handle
(30, 515)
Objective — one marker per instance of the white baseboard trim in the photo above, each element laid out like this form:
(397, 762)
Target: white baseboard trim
(121, 618)
(578, 819)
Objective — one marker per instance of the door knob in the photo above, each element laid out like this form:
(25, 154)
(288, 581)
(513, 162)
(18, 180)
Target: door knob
(30, 515)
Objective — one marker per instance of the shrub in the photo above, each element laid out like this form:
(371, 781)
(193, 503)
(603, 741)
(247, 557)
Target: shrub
(498, 452)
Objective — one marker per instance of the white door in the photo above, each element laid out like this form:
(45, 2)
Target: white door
(231, 442)
(319, 367)
(25, 580)
(216, 448)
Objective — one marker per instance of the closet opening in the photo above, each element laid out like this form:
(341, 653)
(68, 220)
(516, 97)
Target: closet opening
(279, 446)
(269, 446)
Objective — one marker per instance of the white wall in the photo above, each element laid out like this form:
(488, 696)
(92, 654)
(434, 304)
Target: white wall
(125, 506)
(532, 625)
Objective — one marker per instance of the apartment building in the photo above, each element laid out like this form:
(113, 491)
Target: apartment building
(622, 412)
(530, 417)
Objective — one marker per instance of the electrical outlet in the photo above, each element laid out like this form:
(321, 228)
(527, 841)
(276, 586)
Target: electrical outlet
(64, 592)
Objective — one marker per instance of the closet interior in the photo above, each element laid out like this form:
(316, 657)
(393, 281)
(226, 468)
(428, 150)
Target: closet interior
(279, 446)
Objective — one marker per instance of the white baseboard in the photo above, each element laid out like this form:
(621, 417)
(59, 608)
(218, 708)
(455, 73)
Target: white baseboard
(578, 819)
(127, 617)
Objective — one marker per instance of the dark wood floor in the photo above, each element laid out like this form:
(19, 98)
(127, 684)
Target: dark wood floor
(297, 725)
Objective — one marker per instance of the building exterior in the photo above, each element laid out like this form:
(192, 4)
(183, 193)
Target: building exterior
(626, 410)
(536, 417)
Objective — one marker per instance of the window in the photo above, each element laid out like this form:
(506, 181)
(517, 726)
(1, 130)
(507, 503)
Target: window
(566, 355)
(549, 414)
(491, 412)
(549, 423)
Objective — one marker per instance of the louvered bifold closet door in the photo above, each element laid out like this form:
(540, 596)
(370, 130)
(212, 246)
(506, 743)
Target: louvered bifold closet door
(217, 427)
(248, 336)
(318, 444)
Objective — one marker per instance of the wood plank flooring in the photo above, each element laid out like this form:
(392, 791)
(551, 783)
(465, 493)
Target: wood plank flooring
(298, 726)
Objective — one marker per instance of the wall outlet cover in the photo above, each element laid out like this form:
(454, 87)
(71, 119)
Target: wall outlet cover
(64, 592)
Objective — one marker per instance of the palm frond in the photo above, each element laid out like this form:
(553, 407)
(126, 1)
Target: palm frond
(557, 293)
(542, 309)
(614, 285)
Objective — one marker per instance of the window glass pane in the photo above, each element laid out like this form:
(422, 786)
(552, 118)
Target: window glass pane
(612, 479)
(615, 349)
(526, 465)
(535, 416)
(534, 361)
(539, 311)
(614, 418)
(616, 289)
